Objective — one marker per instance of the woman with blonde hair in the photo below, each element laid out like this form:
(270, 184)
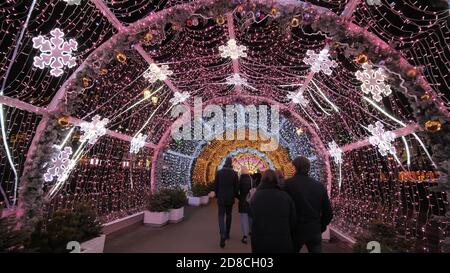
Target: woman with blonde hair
(245, 184)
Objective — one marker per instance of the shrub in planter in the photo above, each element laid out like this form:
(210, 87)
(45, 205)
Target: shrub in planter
(211, 189)
(159, 202)
(177, 197)
(158, 207)
(384, 234)
(52, 234)
(11, 240)
(202, 191)
(199, 190)
(177, 202)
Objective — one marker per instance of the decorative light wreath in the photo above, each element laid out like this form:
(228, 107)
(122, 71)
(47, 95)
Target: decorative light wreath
(246, 150)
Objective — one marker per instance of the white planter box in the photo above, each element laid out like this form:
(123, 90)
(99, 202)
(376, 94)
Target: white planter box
(212, 194)
(95, 245)
(176, 215)
(194, 201)
(156, 219)
(204, 199)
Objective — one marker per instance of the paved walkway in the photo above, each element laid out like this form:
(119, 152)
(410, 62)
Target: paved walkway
(197, 233)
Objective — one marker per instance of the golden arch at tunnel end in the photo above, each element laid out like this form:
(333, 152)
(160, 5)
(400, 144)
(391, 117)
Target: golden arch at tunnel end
(211, 156)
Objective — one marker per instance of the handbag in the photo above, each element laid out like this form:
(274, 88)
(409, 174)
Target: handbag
(251, 192)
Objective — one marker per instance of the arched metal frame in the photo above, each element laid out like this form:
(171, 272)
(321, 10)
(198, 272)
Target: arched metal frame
(132, 28)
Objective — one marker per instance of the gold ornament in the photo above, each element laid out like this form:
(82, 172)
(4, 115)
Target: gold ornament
(63, 121)
(335, 45)
(361, 58)
(147, 93)
(240, 8)
(411, 73)
(121, 57)
(433, 125)
(154, 100)
(176, 26)
(295, 22)
(299, 131)
(86, 81)
(274, 11)
(148, 37)
(103, 71)
(76, 136)
(220, 20)
(425, 96)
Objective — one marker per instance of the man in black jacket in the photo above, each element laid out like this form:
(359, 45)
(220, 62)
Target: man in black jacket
(227, 188)
(313, 207)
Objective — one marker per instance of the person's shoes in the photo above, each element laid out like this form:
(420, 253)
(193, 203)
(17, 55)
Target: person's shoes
(222, 242)
(244, 240)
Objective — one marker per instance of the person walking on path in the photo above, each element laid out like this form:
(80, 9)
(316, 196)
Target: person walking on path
(273, 217)
(226, 190)
(313, 207)
(280, 176)
(245, 184)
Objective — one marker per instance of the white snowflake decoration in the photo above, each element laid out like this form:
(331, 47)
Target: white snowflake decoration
(55, 52)
(155, 73)
(179, 97)
(60, 165)
(373, 2)
(236, 79)
(373, 82)
(382, 139)
(72, 2)
(232, 50)
(320, 61)
(335, 152)
(137, 143)
(298, 98)
(92, 131)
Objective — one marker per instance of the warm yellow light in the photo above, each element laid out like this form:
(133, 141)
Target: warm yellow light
(154, 100)
(146, 93)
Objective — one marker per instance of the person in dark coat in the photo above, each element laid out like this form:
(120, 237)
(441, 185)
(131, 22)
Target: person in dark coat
(313, 206)
(226, 190)
(257, 178)
(245, 184)
(274, 217)
(280, 176)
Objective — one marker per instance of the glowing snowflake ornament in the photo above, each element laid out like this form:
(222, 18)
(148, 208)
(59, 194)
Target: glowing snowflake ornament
(60, 165)
(373, 82)
(335, 152)
(137, 143)
(373, 2)
(72, 2)
(55, 52)
(298, 98)
(179, 97)
(236, 79)
(232, 50)
(92, 131)
(155, 73)
(320, 61)
(382, 139)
